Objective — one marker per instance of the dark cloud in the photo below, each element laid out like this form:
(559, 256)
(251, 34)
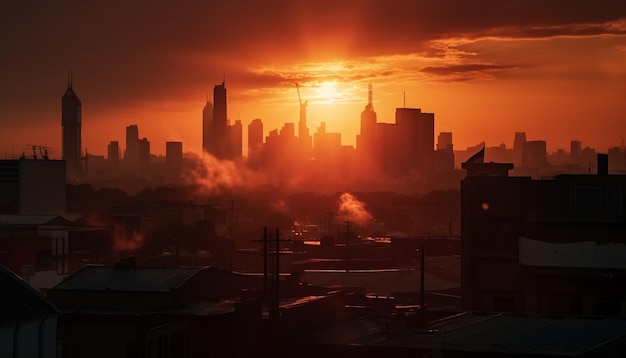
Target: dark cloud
(122, 51)
(459, 69)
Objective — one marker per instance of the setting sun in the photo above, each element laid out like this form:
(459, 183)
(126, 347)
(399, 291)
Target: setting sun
(326, 92)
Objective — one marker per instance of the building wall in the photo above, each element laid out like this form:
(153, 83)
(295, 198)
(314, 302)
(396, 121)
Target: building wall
(33, 187)
(544, 246)
(30, 338)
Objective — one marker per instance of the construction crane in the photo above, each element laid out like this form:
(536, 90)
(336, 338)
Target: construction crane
(39, 151)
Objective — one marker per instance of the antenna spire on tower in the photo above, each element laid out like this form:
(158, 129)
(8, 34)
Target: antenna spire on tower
(369, 96)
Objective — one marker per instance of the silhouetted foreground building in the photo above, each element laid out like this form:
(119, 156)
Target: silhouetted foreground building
(553, 246)
(130, 311)
(28, 321)
(32, 187)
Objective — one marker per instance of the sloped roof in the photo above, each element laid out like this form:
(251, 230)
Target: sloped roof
(563, 336)
(33, 220)
(133, 279)
(19, 301)
(514, 334)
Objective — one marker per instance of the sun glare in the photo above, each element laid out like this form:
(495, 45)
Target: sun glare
(327, 92)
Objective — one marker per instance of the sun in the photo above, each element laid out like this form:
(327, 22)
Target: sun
(327, 92)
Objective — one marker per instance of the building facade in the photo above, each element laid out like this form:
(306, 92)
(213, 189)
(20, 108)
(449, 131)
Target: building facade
(71, 123)
(551, 246)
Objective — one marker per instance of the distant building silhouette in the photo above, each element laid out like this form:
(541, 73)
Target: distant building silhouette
(207, 128)
(306, 144)
(113, 153)
(255, 137)
(415, 140)
(71, 123)
(518, 148)
(219, 138)
(235, 132)
(327, 151)
(444, 141)
(444, 155)
(220, 122)
(367, 140)
(534, 157)
(144, 155)
(131, 155)
(174, 160)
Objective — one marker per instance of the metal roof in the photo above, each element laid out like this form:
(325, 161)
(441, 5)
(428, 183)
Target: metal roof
(19, 301)
(488, 333)
(135, 279)
(519, 334)
(27, 219)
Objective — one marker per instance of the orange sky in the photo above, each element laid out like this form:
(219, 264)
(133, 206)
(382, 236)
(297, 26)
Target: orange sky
(554, 69)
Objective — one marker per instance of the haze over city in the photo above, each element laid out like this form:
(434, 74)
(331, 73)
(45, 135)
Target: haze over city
(487, 69)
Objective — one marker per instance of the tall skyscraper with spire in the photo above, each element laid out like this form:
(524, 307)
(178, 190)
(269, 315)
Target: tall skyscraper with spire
(219, 138)
(71, 130)
(305, 139)
(366, 141)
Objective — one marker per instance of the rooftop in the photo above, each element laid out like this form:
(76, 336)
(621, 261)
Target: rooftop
(135, 279)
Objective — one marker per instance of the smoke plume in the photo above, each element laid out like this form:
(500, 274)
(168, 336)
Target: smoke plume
(351, 209)
(130, 244)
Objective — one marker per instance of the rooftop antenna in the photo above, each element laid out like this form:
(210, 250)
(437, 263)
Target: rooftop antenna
(404, 98)
(370, 96)
(69, 78)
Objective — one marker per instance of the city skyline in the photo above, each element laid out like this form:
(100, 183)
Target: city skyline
(486, 69)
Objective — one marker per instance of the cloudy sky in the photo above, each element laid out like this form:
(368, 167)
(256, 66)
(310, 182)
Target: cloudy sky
(487, 69)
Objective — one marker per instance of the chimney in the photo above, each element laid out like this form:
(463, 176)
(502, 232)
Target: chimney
(603, 164)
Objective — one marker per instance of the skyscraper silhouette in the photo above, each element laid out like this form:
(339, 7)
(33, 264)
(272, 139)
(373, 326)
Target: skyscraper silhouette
(207, 128)
(367, 141)
(218, 137)
(220, 122)
(71, 132)
(131, 156)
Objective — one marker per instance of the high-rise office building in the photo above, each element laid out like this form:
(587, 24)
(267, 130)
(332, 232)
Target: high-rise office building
(217, 138)
(71, 123)
(304, 138)
(113, 153)
(235, 133)
(416, 140)
(444, 141)
(518, 148)
(207, 128)
(534, 154)
(255, 136)
(174, 160)
(131, 155)
(367, 141)
(220, 122)
(144, 155)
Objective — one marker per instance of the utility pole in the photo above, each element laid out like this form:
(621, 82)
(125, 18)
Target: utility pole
(265, 288)
(277, 281)
(348, 245)
(422, 277)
